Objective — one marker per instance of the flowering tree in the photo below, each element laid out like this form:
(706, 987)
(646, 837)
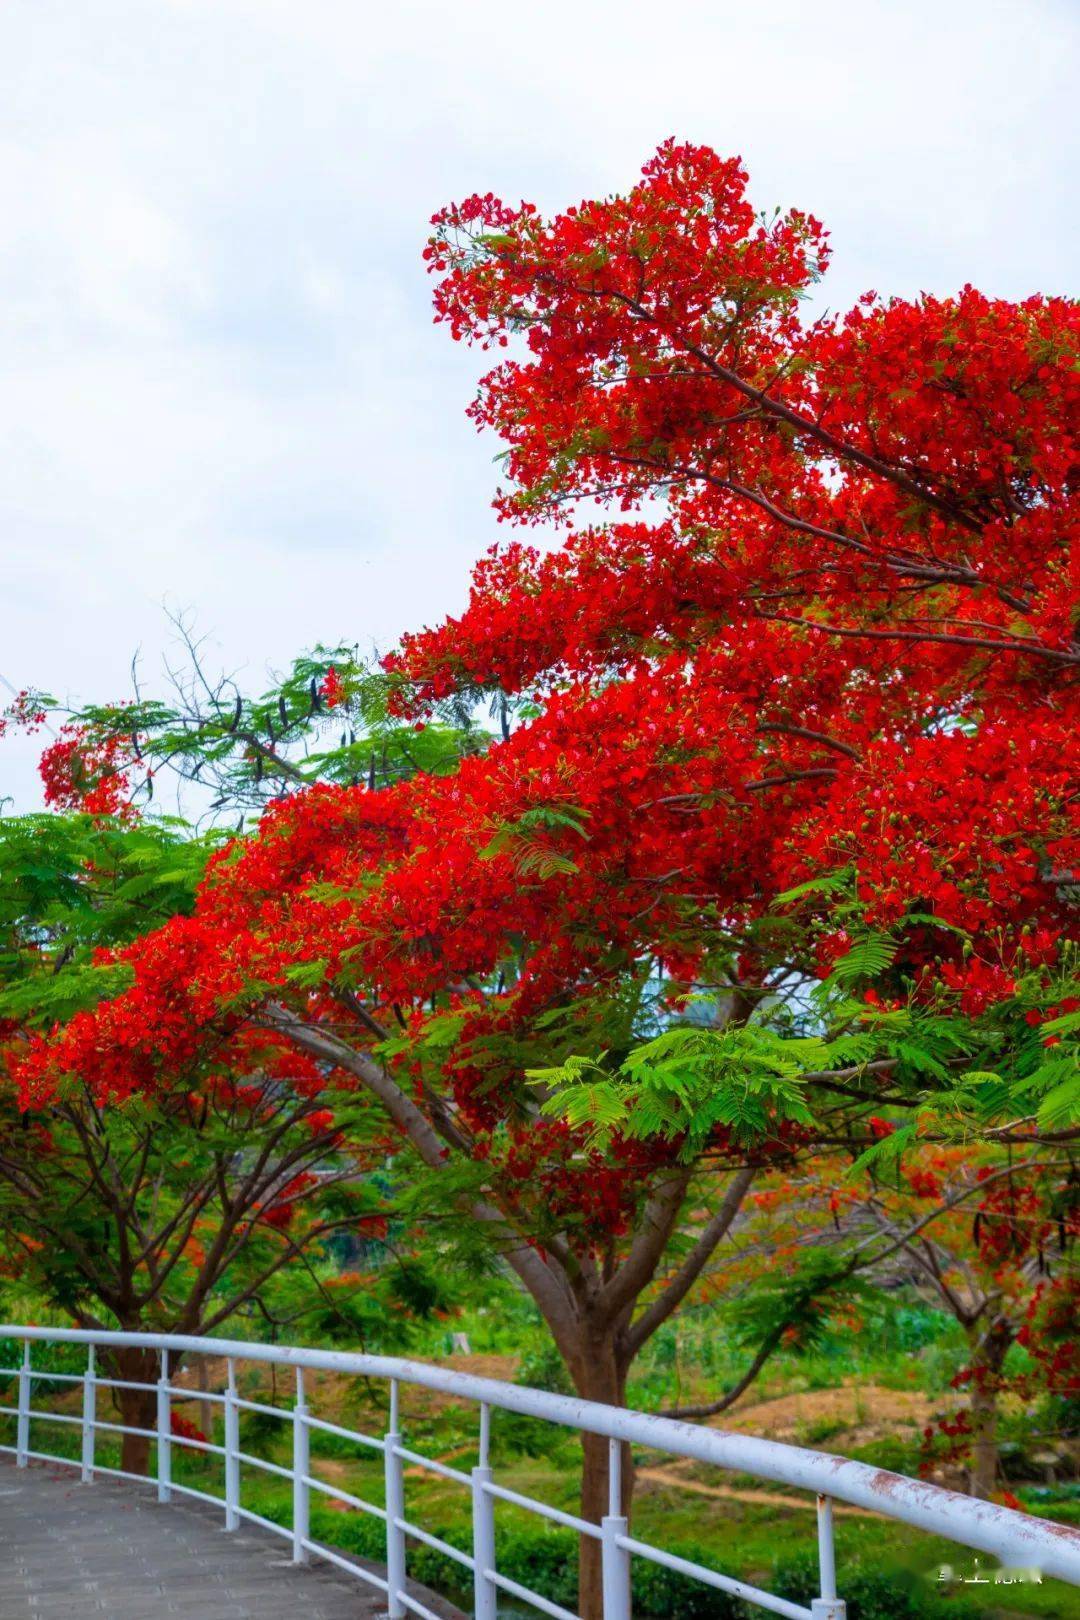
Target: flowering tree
(806, 708)
(985, 1235)
(861, 604)
(991, 1242)
(176, 1208)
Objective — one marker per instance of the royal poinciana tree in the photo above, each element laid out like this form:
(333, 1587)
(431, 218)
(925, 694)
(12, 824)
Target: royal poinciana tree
(828, 639)
(983, 1234)
(215, 1194)
(991, 1243)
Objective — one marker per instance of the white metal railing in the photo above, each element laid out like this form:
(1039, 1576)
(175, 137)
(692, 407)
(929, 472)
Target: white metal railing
(1014, 1538)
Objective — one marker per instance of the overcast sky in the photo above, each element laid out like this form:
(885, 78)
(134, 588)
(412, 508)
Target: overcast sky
(221, 388)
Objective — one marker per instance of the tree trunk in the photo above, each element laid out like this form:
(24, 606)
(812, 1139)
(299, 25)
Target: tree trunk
(990, 1352)
(137, 1407)
(982, 1475)
(599, 1374)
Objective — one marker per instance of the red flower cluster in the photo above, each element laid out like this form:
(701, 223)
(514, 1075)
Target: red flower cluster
(332, 688)
(547, 1165)
(87, 770)
(281, 1212)
(1050, 1336)
(184, 1429)
(24, 711)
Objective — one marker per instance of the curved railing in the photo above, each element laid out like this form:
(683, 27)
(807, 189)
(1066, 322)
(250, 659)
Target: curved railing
(1015, 1539)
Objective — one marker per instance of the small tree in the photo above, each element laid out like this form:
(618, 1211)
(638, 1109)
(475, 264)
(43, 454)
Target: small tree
(983, 1234)
(173, 1209)
(990, 1242)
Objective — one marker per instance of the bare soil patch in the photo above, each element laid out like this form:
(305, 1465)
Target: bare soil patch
(833, 1419)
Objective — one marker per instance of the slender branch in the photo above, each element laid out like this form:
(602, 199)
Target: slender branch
(768, 1345)
(403, 1111)
(1015, 644)
(813, 736)
(684, 1279)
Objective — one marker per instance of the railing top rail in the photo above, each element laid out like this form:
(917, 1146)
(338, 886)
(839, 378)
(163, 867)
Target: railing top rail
(1015, 1538)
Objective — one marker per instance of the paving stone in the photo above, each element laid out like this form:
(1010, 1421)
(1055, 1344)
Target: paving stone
(70, 1551)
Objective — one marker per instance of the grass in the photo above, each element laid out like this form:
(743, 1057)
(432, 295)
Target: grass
(845, 1397)
(746, 1538)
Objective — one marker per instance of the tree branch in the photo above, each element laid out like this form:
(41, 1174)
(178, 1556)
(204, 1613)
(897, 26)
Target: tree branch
(684, 1279)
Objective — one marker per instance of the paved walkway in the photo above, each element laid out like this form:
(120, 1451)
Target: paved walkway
(77, 1552)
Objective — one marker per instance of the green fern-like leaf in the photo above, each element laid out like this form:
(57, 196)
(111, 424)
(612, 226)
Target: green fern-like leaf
(867, 958)
(887, 1150)
(831, 883)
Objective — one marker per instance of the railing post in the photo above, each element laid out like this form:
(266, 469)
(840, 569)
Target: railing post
(232, 1449)
(828, 1606)
(395, 1511)
(301, 1498)
(89, 1417)
(22, 1432)
(164, 1433)
(615, 1560)
(485, 1592)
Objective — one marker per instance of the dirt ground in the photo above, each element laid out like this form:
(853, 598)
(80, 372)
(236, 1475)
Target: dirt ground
(853, 1415)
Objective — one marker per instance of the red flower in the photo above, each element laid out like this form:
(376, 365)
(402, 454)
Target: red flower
(332, 688)
(184, 1429)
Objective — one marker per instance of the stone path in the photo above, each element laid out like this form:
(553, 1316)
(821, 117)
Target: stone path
(79, 1552)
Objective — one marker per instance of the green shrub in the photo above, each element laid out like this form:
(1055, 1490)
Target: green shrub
(259, 1427)
(872, 1592)
(546, 1561)
(662, 1593)
(357, 1533)
(337, 1446)
(60, 1358)
(542, 1367)
(513, 1434)
(543, 1560)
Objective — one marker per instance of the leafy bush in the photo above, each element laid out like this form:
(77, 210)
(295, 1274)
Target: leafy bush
(541, 1367)
(543, 1560)
(356, 1533)
(661, 1592)
(59, 1358)
(261, 1428)
(336, 1445)
(873, 1592)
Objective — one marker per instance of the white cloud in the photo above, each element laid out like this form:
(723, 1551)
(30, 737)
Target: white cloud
(221, 383)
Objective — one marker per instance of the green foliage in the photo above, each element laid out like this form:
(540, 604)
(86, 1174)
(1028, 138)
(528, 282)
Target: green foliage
(532, 852)
(663, 1592)
(546, 1562)
(832, 883)
(513, 1434)
(69, 1359)
(797, 1305)
(957, 1076)
(309, 725)
(1049, 1075)
(689, 1080)
(1026, 1050)
(868, 957)
(73, 885)
(886, 1152)
(873, 1591)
